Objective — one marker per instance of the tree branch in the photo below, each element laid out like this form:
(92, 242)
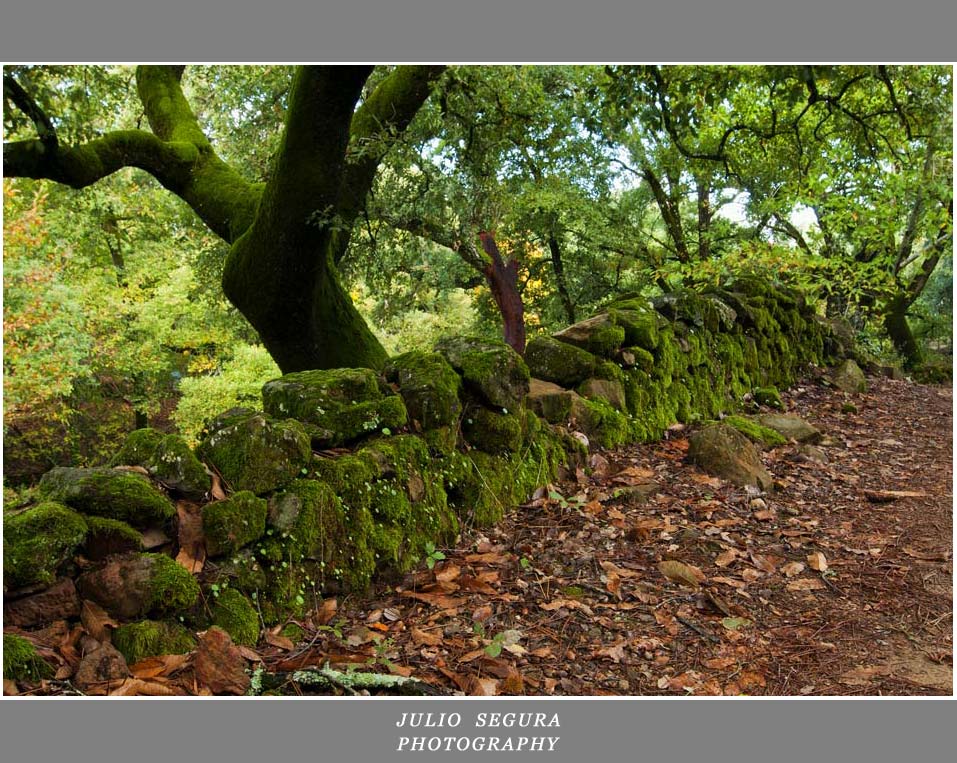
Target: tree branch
(376, 126)
(22, 100)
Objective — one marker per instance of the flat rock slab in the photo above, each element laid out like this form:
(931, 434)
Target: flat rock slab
(790, 427)
(849, 377)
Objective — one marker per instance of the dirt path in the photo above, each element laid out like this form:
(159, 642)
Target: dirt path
(569, 596)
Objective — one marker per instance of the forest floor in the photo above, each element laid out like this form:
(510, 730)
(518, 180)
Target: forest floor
(646, 576)
(839, 582)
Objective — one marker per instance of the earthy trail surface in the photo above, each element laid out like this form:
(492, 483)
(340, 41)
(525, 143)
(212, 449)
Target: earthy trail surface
(838, 582)
(647, 576)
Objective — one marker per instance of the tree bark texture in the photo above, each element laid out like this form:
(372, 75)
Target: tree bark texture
(287, 235)
(502, 279)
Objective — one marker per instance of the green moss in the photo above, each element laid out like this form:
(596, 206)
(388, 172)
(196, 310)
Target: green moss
(429, 386)
(171, 587)
(602, 424)
(639, 323)
(768, 396)
(233, 523)
(848, 408)
(492, 432)
(293, 632)
(38, 541)
(558, 362)
(256, 453)
(761, 435)
(236, 615)
(21, 661)
(174, 464)
(108, 493)
(492, 371)
(152, 638)
(138, 447)
(337, 405)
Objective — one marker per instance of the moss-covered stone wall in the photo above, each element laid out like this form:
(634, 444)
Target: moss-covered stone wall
(345, 475)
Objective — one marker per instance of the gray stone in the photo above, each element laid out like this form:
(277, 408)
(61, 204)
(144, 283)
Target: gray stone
(493, 371)
(789, 426)
(605, 389)
(559, 362)
(849, 377)
(725, 452)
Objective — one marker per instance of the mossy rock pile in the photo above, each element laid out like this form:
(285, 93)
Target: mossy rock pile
(404, 461)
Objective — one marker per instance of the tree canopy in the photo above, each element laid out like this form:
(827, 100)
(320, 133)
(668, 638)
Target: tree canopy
(336, 214)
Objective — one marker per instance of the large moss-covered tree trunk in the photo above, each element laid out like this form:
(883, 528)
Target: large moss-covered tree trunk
(287, 235)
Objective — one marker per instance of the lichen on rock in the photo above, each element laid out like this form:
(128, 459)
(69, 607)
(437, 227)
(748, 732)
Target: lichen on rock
(429, 386)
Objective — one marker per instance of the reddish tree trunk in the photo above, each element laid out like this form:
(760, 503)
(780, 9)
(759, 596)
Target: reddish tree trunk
(502, 279)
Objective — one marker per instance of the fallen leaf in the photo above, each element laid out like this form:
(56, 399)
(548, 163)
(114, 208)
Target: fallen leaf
(726, 557)
(927, 556)
(817, 561)
(216, 492)
(765, 515)
(615, 652)
(420, 637)
(791, 569)
(448, 573)
(682, 573)
(734, 623)
(764, 562)
(484, 687)
(280, 642)
(96, 621)
(886, 496)
(806, 584)
(133, 687)
(10, 687)
(190, 535)
(720, 663)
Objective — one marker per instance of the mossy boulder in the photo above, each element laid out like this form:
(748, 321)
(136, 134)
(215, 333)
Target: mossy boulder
(21, 661)
(429, 386)
(600, 422)
(136, 585)
(848, 377)
(724, 452)
(107, 537)
(255, 452)
(492, 371)
(236, 615)
(639, 322)
(111, 493)
(138, 447)
(705, 311)
(168, 459)
(492, 432)
(152, 638)
(337, 406)
(762, 436)
(600, 335)
(315, 540)
(551, 402)
(768, 396)
(789, 426)
(38, 541)
(611, 391)
(233, 523)
(558, 362)
(175, 466)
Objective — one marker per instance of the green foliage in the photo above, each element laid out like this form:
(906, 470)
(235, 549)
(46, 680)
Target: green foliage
(21, 661)
(238, 382)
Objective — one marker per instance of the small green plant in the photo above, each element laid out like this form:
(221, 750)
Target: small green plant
(432, 555)
(574, 503)
(494, 647)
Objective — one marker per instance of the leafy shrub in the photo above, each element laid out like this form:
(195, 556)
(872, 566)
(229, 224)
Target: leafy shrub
(238, 382)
